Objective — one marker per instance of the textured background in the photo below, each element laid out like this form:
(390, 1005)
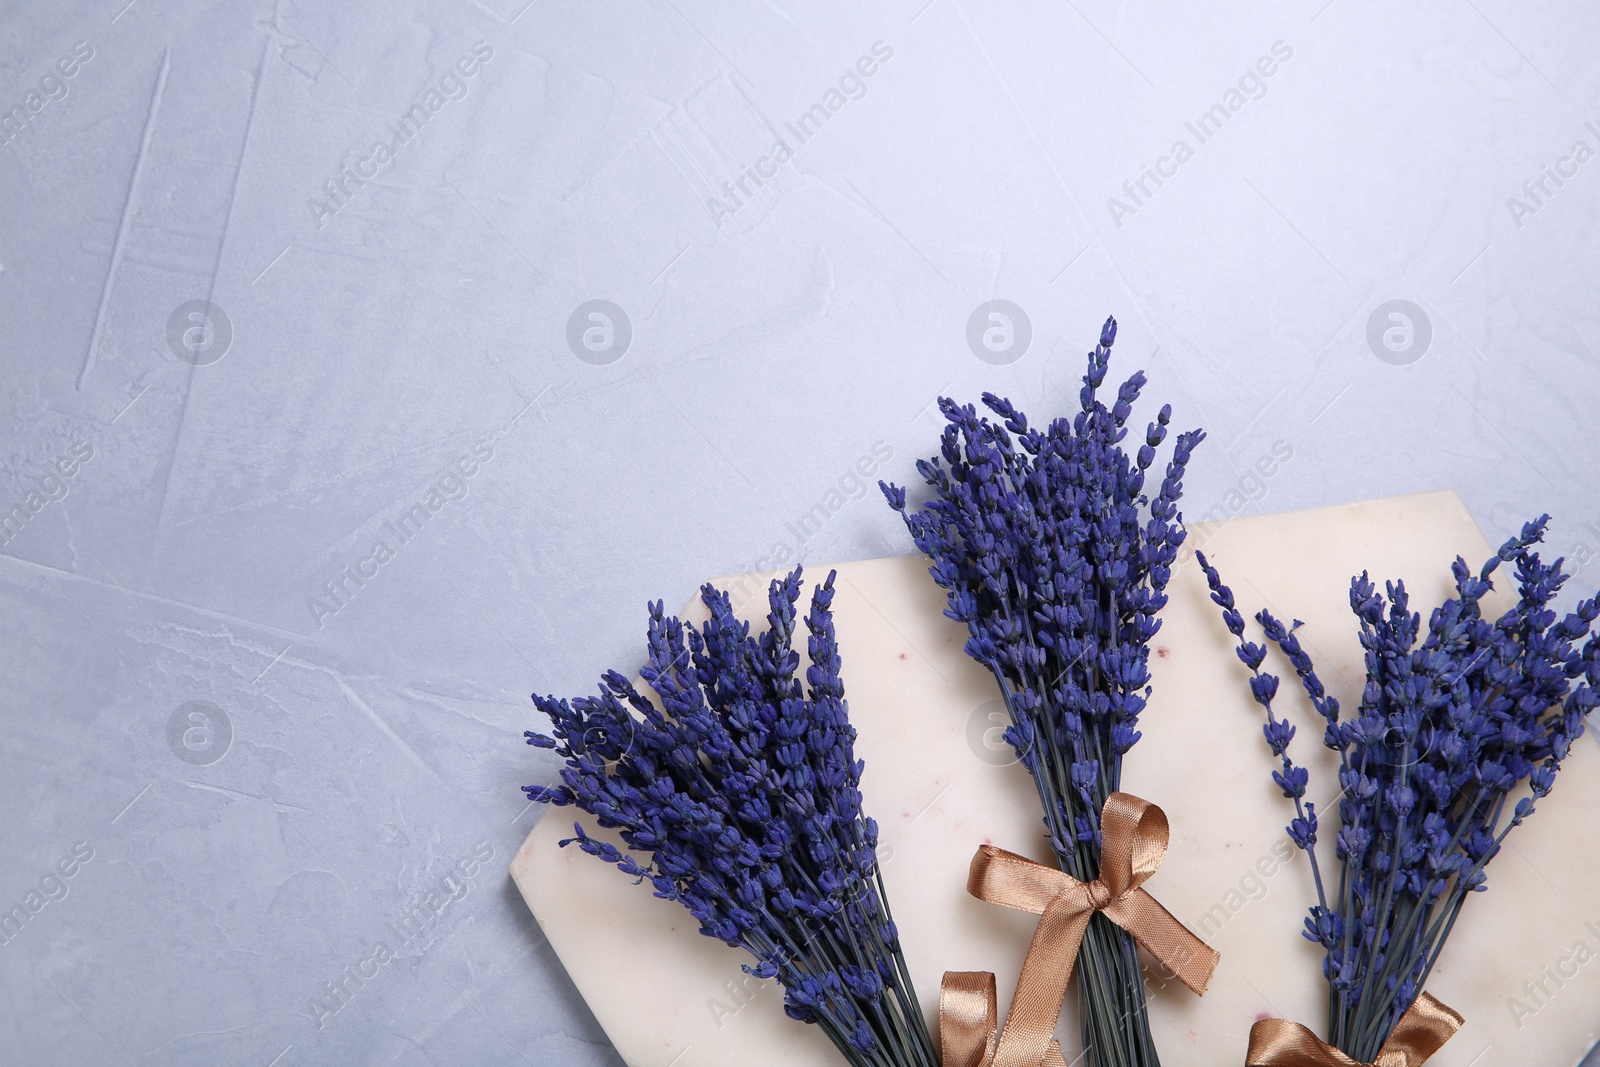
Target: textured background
(241, 348)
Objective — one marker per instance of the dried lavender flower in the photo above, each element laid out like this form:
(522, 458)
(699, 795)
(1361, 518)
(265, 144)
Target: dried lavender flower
(1054, 555)
(1453, 724)
(740, 798)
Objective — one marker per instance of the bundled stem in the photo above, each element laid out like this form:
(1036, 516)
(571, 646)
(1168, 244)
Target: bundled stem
(741, 796)
(1056, 559)
(1457, 738)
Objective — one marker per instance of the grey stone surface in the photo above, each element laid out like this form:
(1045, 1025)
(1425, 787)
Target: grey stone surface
(282, 282)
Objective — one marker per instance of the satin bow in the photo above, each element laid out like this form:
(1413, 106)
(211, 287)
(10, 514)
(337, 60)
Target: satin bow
(1134, 835)
(1424, 1027)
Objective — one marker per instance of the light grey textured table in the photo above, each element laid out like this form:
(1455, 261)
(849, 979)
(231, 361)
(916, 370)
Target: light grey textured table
(284, 284)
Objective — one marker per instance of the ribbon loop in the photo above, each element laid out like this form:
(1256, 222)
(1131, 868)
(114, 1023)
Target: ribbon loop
(968, 1019)
(1134, 836)
(1014, 881)
(1421, 1031)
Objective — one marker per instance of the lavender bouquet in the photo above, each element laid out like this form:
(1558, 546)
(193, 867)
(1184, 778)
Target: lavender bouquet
(740, 798)
(1457, 738)
(1057, 560)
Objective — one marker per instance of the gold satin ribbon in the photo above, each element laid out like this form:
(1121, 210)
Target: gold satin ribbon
(1134, 835)
(1425, 1026)
(968, 1023)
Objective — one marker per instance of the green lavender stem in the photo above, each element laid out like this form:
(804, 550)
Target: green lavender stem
(1111, 998)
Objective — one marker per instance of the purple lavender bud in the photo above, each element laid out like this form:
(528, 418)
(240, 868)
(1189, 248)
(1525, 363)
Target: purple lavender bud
(1293, 784)
(1262, 686)
(1108, 333)
(1278, 734)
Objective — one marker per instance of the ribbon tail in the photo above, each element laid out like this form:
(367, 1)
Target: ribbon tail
(1282, 1043)
(967, 1018)
(1042, 985)
(1190, 959)
(1421, 1031)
